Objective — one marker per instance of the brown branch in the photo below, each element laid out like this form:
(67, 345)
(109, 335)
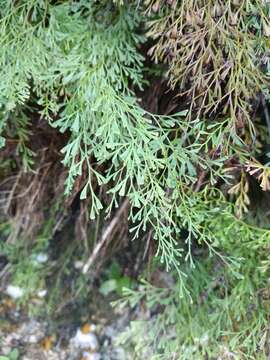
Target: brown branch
(200, 181)
(105, 236)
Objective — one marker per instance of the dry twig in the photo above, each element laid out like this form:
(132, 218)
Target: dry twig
(105, 236)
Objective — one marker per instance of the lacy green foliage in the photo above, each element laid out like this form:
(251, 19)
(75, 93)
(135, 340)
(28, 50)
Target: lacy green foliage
(225, 315)
(78, 66)
(18, 124)
(214, 50)
(227, 319)
(81, 63)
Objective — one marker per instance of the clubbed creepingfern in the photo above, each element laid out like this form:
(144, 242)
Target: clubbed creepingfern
(225, 315)
(82, 63)
(78, 66)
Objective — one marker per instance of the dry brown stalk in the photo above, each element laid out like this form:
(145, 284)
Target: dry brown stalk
(106, 236)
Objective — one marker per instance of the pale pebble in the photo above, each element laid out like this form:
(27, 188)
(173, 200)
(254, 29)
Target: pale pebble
(15, 292)
(85, 341)
(42, 293)
(41, 258)
(91, 356)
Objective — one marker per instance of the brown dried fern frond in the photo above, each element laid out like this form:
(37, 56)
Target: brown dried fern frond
(213, 54)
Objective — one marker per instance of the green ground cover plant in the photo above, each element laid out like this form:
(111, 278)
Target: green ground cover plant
(147, 118)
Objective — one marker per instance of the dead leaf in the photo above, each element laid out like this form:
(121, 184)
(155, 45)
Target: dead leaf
(86, 328)
(47, 343)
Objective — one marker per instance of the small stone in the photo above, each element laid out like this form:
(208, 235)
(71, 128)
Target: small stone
(85, 341)
(15, 292)
(42, 293)
(40, 258)
(78, 264)
(91, 356)
(32, 339)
